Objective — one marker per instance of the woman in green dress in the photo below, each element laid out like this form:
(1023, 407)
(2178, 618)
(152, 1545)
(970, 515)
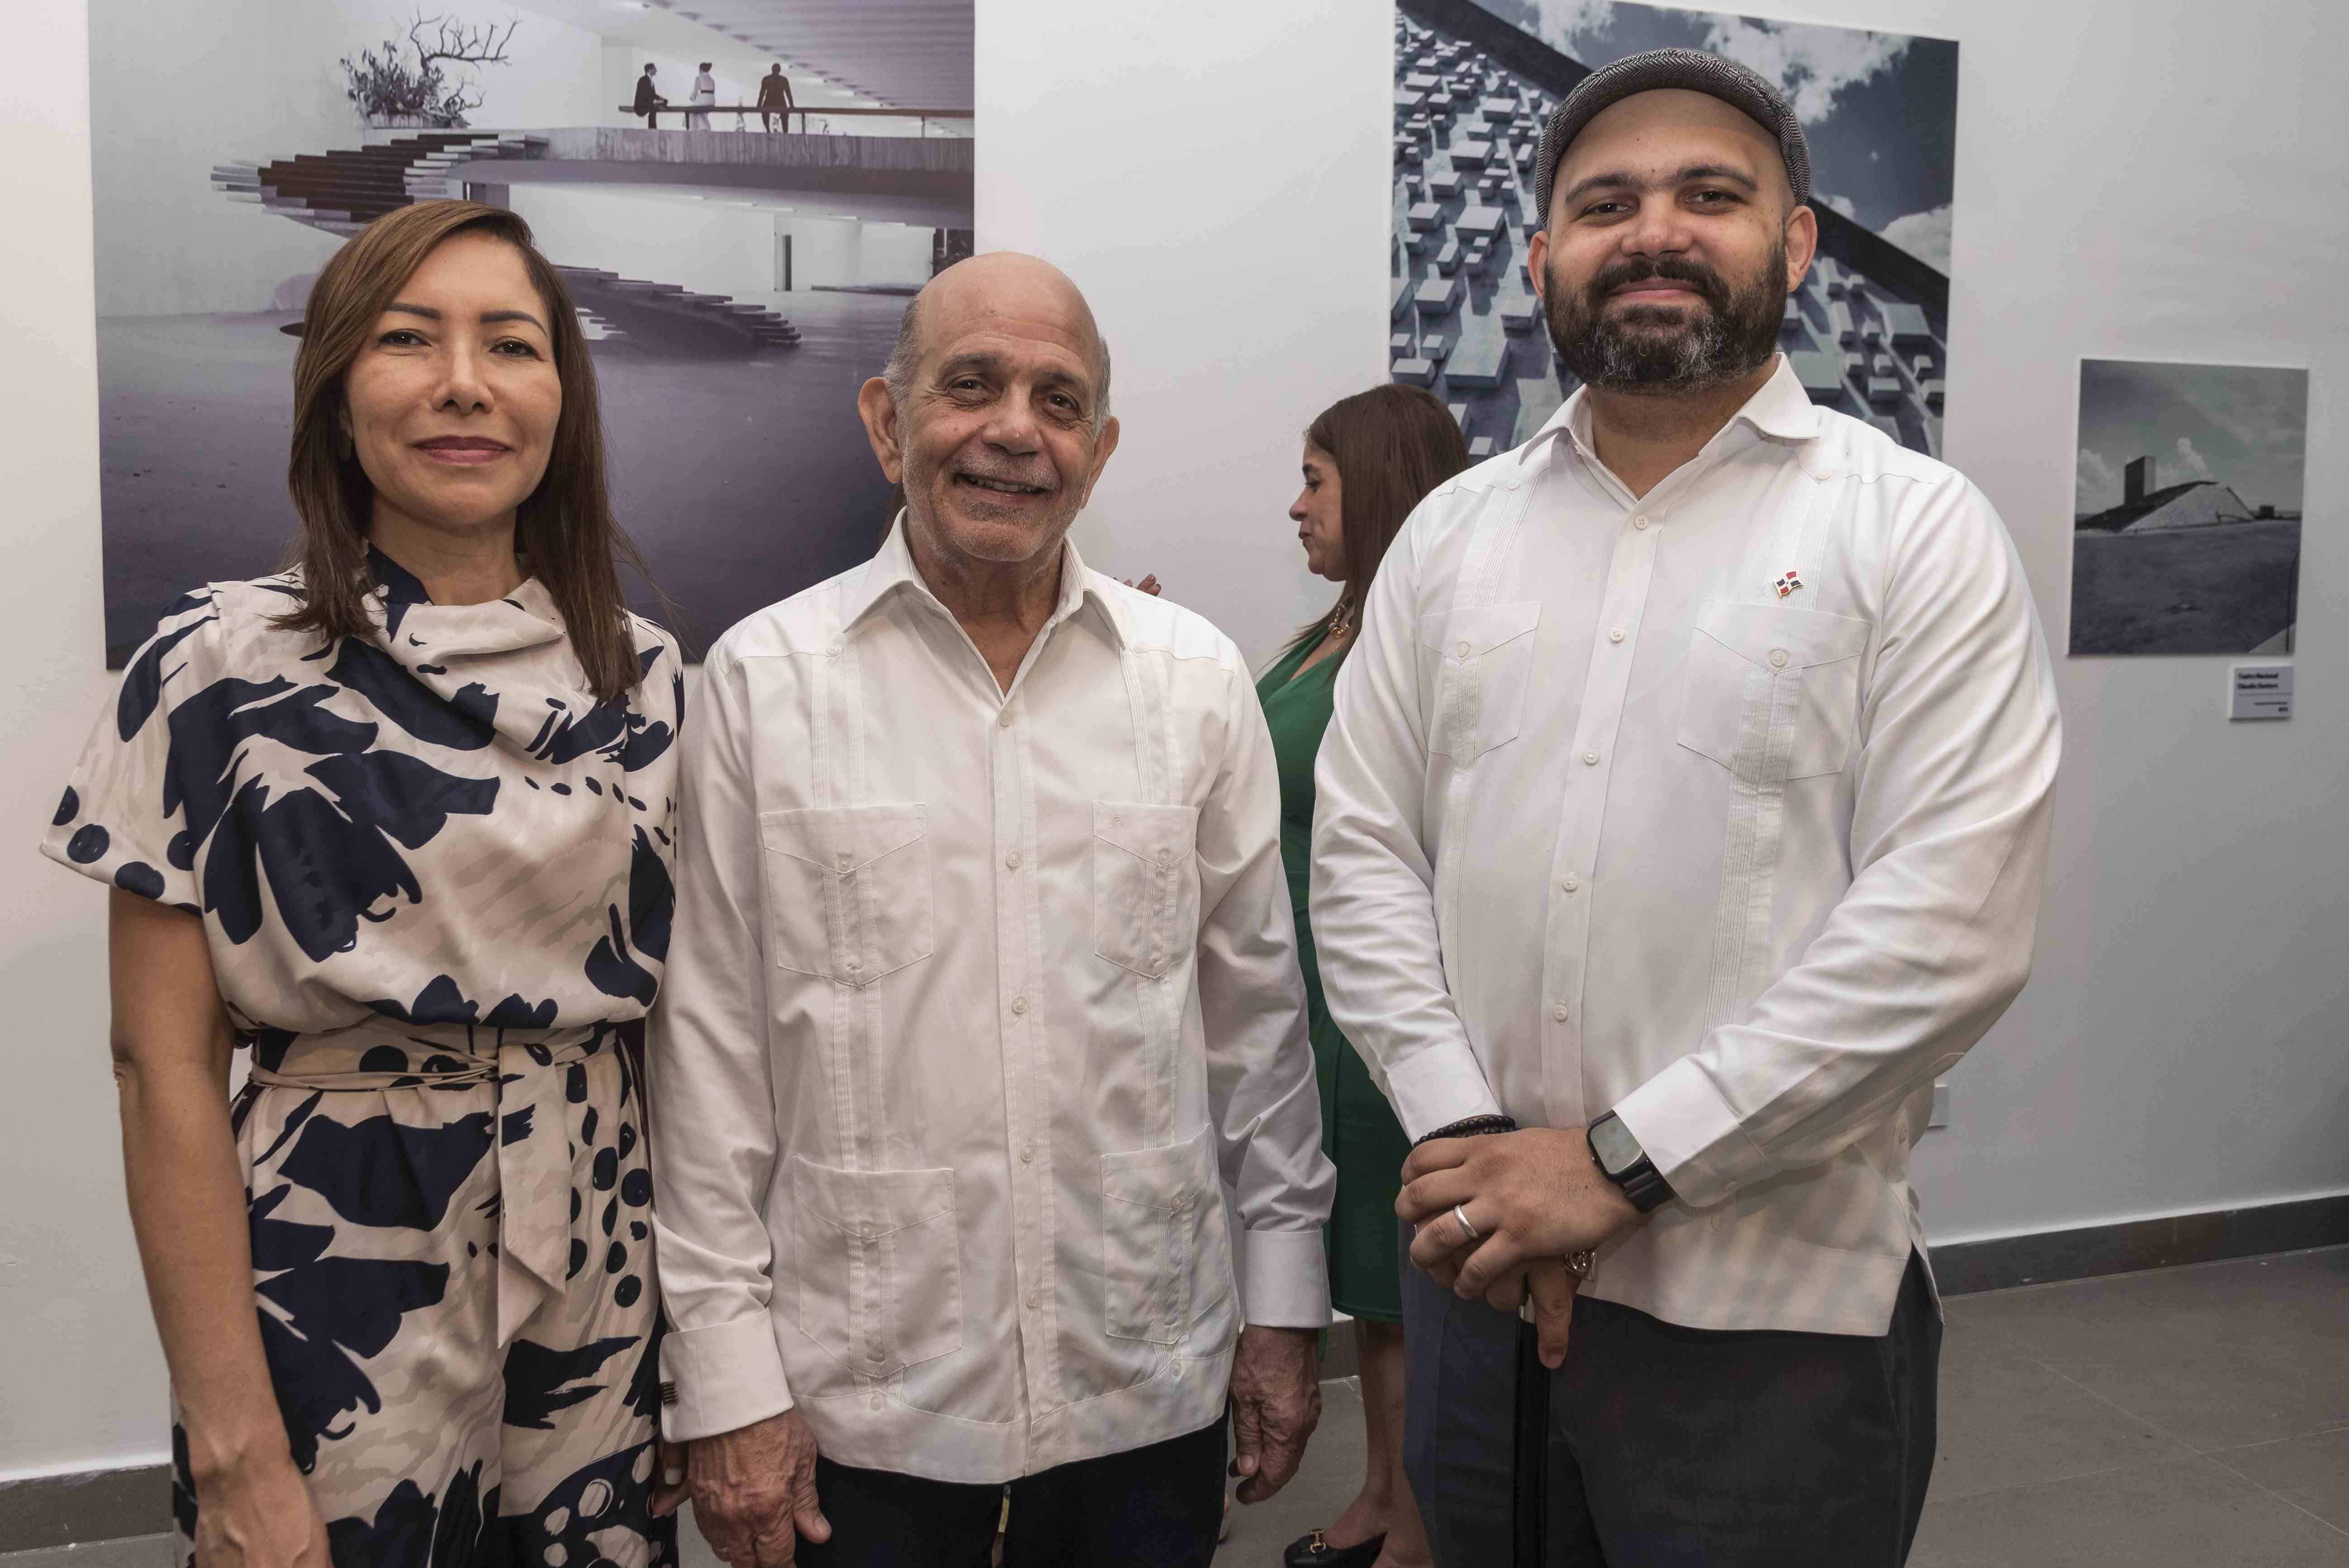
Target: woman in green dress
(1369, 460)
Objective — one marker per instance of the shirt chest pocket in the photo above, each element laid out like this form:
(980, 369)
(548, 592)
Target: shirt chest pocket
(1146, 883)
(848, 890)
(1772, 693)
(1484, 656)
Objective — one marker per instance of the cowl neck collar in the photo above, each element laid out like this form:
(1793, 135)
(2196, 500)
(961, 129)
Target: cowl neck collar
(505, 662)
(414, 630)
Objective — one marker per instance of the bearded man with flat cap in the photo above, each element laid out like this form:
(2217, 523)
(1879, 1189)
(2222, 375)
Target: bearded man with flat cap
(1682, 818)
(983, 1012)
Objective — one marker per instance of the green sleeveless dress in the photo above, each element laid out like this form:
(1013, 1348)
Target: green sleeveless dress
(1358, 1129)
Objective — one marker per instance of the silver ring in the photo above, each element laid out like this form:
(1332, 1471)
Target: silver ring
(1580, 1265)
(1460, 1214)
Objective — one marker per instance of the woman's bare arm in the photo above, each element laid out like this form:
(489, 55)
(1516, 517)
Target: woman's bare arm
(171, 1045)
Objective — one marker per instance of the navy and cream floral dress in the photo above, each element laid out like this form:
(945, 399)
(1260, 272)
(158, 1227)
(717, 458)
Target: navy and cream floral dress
(434, 877)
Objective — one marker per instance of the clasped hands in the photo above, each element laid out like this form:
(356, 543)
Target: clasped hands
(1533, 1198)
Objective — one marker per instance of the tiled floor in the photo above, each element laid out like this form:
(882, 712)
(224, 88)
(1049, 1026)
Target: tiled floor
(2183, 1418)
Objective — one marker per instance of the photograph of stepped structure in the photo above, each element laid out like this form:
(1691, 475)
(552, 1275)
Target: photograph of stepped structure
(1475, 82)
(740, 274)
(2186, 527)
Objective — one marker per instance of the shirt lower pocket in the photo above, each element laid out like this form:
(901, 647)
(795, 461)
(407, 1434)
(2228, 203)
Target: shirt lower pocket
(1165, 1260)
(879, 1264)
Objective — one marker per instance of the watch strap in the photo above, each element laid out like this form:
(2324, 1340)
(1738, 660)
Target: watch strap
(1641, 1182)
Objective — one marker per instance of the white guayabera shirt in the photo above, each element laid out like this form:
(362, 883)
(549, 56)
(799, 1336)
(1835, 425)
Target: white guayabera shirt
(979, 1007)
(1724, 807)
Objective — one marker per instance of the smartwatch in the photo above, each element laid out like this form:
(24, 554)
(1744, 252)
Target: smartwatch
(1622, 1161)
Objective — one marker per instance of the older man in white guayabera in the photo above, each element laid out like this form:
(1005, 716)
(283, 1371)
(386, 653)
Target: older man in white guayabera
(983, 1012)
(1683, 814)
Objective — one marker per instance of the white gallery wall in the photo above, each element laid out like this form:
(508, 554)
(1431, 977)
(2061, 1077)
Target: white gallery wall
(2136, 178)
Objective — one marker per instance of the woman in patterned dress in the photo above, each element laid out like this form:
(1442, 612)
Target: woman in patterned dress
(400, 819)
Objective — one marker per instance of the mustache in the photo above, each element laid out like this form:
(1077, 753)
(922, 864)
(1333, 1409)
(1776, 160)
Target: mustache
(1672, 269)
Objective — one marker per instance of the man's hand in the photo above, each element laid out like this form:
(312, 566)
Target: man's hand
(754, 1491)
(1531, 1195)
(1276, 1404)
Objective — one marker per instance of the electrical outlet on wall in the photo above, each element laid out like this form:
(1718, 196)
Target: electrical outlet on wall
(1941, 1116)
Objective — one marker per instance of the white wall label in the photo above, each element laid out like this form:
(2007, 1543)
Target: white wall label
(2262, 691)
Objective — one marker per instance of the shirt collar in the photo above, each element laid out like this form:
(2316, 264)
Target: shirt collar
(1781, 411)
(892, 571)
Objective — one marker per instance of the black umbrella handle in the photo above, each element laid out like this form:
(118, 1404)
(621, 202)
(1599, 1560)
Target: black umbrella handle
(1530, 1478)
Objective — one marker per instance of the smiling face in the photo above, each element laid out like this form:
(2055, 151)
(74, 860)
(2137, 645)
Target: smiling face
(1000, 435)
(1319, 513)
(1672, 243)
(452, 402)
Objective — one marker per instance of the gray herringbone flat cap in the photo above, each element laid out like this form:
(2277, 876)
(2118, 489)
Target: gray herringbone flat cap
(1692, 70)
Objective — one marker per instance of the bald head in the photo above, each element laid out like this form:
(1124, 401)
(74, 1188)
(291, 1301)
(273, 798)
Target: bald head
(1005, 283)
(993, 413)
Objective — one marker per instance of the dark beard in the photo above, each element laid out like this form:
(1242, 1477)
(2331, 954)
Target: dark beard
(1664, 350)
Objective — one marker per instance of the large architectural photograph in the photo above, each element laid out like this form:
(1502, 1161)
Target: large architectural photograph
(1868, 331)
(2186, 527)
(740, 196)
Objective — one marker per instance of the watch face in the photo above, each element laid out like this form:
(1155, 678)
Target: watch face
(1612, 1143)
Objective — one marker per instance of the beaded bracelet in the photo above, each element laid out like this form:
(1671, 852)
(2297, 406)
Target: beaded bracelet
(1471, 1126)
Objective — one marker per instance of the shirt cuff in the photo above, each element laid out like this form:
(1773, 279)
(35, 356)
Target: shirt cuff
(1691, 1134)
(1284, 1279)
(1437, 1086)
(724, 1378)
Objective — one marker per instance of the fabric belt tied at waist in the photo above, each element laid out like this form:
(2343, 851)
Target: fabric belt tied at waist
(532, 1141)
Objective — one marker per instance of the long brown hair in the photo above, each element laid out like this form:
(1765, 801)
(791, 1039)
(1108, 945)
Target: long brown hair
(565, 530)
(1392, 445)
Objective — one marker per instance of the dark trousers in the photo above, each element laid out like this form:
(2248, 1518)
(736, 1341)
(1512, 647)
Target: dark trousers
(1677, 1448)
(1154, 1507)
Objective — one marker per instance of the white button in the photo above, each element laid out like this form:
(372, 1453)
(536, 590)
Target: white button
(846, 859)
(855, 965)
(1570, 884)
(1558, 1012)
(1713, 1220)
(1019, 1003)
(1117, 822)
(836, 645)
(1591, 758)
(1012, 860)
(1165, 856)
(1035, 1300)
(1777, 659)
(1462, 649)
(1615, 635)
(876, 1401)
(1004, 719)
(1638, 522)
(865, 1228)
(1027, 1153)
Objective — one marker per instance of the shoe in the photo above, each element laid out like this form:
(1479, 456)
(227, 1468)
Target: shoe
(1311, 1551)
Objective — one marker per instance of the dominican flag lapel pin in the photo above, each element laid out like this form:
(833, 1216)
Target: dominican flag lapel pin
(1789, 583)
